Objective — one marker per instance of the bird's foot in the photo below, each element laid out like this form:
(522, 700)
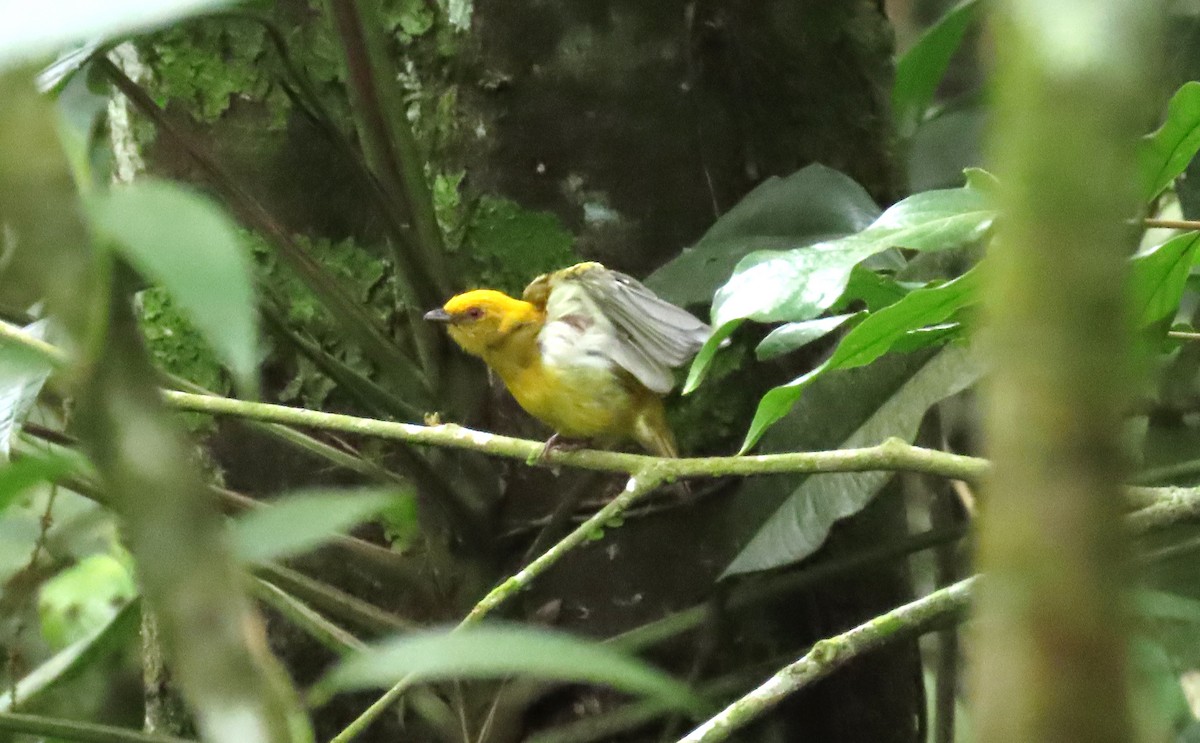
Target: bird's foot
(560, 443)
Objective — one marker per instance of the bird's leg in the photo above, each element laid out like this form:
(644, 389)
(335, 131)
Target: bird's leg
(560, 443)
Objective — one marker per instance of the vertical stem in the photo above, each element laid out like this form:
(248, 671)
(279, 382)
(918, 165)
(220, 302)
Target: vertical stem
(1050, 662)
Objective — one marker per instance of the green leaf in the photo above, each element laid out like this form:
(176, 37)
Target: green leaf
(800, 284)
(794, 335)
(800, 526)
(704, 358)
(22, 374)
(919, 70)
(1166, 152)
(813, 204)
(875, 290)
(19, 476)
(298, 522)
(72, 660)
(83, 598)
(182, 240)
(869, 340)
(1160, 275)
(41, 29)
(497, 650)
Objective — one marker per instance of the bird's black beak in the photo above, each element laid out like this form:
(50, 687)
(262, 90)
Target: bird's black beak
(438, 315)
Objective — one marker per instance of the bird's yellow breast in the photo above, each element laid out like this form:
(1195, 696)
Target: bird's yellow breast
(577, 401)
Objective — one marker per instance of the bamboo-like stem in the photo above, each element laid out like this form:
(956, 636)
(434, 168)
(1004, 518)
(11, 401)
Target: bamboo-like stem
(1049, 662)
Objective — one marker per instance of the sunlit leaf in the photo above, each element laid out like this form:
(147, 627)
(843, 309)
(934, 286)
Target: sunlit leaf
(298, 522)
(182, 240)
(1166, 152)
(869, 340)
(22, 374)
(1159, 277)
(83, 598)
(813, 204)
(919, 70)
(799, 284)
(500, 650)
(794, 335)
(31, 30)
(799, 527)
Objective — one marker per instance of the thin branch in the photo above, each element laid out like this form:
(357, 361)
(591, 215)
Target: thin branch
(1172, 224)
(828, 655)
(639, 485)
(893, 454)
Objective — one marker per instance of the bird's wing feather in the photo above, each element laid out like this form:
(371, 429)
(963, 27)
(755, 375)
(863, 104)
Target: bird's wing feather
(652, 336)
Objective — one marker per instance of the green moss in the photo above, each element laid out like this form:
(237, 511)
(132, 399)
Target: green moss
(505, 246)
(207, 64)
(710, 418)
(357, 270)
(174, 343)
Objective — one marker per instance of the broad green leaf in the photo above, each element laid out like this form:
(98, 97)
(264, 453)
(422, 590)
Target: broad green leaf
(875, 290)
(497, 650)
(22, 375)
(31, 29)
(794, 335)
(298, 522)
(19, 476)
(813, 204)
(799, 284)
(1166, 152)
(72, 660)
(919, 70)
(869, 340)
(799, 527)
(182, 240)
(1159, 277)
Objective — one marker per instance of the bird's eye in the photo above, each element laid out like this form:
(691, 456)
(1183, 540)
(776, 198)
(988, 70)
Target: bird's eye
(475, 313)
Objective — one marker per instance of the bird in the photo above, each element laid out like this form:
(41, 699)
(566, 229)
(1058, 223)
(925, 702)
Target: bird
(587, 350)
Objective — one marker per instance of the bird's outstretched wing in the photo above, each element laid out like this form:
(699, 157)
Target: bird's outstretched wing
(643, 334)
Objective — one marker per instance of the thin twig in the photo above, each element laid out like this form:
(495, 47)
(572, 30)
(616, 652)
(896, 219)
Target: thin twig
(638, 486)
(828, 655)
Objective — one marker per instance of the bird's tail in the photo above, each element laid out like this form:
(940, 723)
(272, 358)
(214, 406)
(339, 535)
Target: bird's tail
(650, 429)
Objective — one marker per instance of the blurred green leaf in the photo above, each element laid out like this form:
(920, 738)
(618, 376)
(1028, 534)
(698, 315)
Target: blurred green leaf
(116, 633)
(22, 374)
(401, 521)
(1166, 152)
(813, 204)
(496, 650)
(182, 240)
(919, 70)
(1160, 275)
(19, 476)
(34, 30)
(299, 522)
(794, 335)
(84, 598)
(799, 527)
(869, 340)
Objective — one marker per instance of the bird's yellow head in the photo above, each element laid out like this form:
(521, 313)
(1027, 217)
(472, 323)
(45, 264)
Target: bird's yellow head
(481, 320)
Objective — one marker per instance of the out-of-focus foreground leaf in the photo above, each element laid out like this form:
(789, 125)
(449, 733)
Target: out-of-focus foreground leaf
(500, 650)
(180, 239)
(298, 522)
